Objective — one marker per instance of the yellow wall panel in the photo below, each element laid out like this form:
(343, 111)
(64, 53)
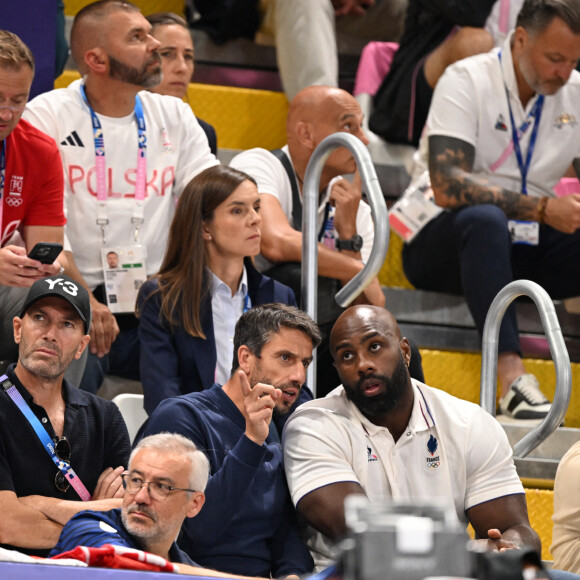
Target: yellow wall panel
(71, 7)
(459, 374)
(242, 118)
(391, 273)
(540, 509)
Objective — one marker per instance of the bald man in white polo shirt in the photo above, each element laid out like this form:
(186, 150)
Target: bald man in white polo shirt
(386, 435)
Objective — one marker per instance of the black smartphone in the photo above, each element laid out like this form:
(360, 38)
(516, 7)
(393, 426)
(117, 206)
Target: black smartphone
(45, 252)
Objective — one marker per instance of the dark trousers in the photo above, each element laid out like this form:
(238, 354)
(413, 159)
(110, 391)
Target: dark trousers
(469, 252)
(122, 361)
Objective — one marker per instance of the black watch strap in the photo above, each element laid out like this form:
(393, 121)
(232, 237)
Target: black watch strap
(353, 245)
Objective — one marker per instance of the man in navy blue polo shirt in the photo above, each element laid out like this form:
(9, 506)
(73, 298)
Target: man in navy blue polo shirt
(247, 525)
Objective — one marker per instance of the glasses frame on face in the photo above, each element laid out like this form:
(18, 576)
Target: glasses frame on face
(156, 490)
(62, 450)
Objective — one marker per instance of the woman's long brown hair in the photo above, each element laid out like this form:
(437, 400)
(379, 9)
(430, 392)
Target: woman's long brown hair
(182, 280)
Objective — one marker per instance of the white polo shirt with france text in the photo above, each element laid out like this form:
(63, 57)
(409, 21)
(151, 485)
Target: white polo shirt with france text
(452, 450)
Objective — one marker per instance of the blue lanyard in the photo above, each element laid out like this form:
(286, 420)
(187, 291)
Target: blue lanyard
(533, 116)
(101, 167)
(247, 302)
(45, 438)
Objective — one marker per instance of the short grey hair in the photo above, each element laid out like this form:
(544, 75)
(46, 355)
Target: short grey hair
(174, 443)
(536, 15)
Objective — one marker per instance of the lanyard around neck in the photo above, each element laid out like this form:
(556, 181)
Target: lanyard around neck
(532, 117)
(45, 438)
(2, 184)
(101, 167)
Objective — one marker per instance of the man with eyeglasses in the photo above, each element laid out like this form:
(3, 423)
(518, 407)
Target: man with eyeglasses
(31, 189)
(61, 450)
(247, 525)
(164, 484)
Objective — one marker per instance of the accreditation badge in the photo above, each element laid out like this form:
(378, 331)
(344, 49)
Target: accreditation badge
(414, 209)
(124, 269)
(523, 232)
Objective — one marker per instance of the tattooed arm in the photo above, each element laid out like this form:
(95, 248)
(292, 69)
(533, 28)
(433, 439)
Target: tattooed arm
(455, 186)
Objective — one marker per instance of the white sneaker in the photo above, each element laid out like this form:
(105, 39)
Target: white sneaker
(524, 399)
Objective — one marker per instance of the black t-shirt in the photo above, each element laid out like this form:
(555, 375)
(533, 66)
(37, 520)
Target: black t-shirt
(94, 427)
(427, 25)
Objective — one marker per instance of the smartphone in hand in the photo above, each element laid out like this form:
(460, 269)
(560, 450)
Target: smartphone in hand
(45, 252)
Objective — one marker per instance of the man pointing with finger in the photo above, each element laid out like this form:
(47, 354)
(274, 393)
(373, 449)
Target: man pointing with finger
(247, 523)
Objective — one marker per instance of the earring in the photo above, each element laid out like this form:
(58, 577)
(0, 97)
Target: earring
(208, 237)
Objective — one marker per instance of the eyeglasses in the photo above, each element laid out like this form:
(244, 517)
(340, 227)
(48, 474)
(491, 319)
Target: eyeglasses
(63, 452)
(158, 491)
(13, 108)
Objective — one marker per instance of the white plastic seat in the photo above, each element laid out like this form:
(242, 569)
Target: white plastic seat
(131, 407)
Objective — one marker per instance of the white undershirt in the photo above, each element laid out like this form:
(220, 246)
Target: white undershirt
(226, 310)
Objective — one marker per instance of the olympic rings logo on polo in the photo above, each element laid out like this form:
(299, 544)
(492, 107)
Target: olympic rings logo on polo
(14, 201)
(67, 286)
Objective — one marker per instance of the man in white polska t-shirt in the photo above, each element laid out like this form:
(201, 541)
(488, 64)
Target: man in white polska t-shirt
(118, 57)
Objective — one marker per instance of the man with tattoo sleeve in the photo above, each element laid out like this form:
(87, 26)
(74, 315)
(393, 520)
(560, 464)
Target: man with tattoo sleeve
(502, 130)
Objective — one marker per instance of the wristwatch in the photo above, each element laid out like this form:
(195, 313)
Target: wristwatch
(354, 244)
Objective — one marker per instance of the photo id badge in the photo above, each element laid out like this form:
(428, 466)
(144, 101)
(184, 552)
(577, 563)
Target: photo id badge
(415, 208)
(522, 232)
(125, 271)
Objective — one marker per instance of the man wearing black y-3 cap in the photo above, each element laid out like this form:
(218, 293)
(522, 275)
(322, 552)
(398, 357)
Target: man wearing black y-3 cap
(62, 450)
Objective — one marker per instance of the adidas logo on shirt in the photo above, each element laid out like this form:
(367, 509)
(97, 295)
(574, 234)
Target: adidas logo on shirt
(74, 140)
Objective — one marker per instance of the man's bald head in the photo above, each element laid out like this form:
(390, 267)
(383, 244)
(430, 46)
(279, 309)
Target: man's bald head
(315, 113)
(89, 29)
(356, 316)
(372, 359)
(317, 104)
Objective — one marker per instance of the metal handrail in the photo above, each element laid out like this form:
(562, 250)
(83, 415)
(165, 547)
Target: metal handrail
(558, 350)
(379, 213)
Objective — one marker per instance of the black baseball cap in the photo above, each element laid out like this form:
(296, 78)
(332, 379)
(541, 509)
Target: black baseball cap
(63, 287)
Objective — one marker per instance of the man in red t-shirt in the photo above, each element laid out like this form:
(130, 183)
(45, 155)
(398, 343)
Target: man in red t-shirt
(31, 189)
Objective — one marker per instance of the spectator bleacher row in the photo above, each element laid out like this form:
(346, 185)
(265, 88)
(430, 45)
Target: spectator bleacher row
(245, 118)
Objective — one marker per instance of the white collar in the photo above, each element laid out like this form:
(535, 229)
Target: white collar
(217, 283)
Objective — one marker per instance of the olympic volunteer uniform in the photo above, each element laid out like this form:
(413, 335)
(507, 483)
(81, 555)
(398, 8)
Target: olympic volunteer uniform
(452, 450)
(272, 178)
(177, 150)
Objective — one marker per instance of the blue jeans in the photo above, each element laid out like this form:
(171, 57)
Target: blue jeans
(122, 361)
(469, 252)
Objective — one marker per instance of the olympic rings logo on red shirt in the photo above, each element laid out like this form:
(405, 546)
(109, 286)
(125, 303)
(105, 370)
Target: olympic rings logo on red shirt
(14, 201)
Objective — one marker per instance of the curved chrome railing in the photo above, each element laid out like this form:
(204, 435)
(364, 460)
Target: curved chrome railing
(557, 348)
(379, 212)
